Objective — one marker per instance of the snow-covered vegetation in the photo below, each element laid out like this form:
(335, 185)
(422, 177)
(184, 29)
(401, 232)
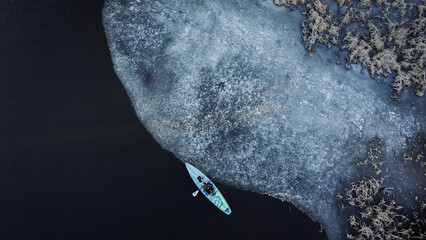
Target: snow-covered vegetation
(384, 36)
(373, 213)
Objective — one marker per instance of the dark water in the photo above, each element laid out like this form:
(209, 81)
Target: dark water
(75, 163)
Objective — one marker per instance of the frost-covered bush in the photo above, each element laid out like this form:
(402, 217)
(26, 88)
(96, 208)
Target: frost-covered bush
(384, 36)
(374, 214)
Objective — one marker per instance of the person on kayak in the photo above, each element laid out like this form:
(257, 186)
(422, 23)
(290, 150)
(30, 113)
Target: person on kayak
(208, 187)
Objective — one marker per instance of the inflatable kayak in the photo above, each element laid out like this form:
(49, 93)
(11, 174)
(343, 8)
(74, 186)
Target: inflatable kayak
(208, 188)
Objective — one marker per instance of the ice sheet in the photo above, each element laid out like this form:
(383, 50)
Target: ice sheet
(228, 87)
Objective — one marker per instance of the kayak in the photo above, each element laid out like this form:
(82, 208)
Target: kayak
(208, 188)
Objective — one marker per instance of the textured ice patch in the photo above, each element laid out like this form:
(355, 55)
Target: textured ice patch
(228, 87)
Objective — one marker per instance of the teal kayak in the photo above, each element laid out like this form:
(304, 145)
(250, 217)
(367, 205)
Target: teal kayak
(208, 188)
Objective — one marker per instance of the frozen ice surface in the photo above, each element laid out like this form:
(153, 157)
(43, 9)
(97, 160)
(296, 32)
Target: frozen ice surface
(228, 87)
